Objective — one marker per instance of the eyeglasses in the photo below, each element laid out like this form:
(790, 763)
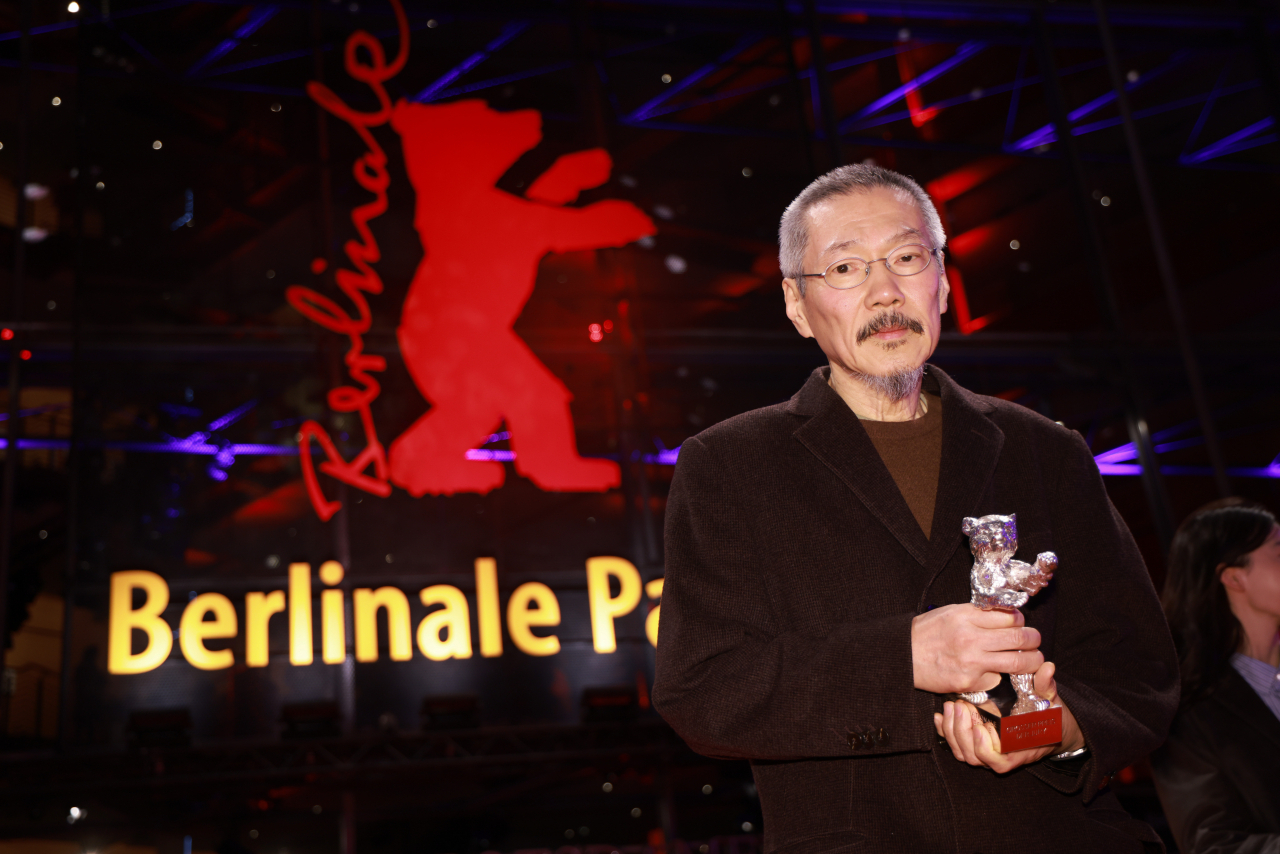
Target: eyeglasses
(849, 273)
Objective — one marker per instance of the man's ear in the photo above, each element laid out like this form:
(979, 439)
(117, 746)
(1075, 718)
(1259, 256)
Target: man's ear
(944, 288)
(795, 307)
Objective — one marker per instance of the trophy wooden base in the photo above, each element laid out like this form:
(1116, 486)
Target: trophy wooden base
(1028, 730)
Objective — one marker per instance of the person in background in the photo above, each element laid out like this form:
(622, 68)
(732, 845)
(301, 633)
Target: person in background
(1218, 776)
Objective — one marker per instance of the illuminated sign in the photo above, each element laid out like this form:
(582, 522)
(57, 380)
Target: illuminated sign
(482, 247)
(444, 633)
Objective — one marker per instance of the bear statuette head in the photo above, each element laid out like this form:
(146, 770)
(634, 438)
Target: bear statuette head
(992, 537)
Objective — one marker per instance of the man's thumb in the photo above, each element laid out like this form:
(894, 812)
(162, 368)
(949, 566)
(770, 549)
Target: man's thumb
(1046, 686)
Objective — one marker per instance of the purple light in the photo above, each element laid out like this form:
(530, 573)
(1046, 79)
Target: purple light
(491, 82)
(1117, 455)
(777, 81)
(509, 32)
(266, 60)
(216, 473)
(252, 450)
(1237, 141)
(647, 109)
(965, 51)
(256, 19)
(1119, 469)
(1046, 133)
(496, 456)
(663, 457)
(1271, 471)
(232, 417)
(180, 447)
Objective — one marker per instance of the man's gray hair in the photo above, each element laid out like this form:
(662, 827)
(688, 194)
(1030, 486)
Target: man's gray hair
(793, 233)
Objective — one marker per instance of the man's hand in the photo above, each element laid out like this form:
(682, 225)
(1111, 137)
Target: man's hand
(975, 741)
(960, 648)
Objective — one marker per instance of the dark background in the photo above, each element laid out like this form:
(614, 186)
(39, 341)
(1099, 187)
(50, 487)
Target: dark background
(1075, 263)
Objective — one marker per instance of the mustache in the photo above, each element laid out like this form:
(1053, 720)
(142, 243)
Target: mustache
(889, 320)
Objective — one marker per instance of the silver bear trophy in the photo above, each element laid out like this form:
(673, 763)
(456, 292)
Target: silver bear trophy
(999, 581)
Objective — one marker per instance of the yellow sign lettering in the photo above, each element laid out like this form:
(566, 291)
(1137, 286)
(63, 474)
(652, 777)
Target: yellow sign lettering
(124, 619)
(258, 608)
(604, 607)
(365, 603)
(488, 613)
(333, 622)
(301, 645)
(533, 604)
(445, 633)
(194, 630)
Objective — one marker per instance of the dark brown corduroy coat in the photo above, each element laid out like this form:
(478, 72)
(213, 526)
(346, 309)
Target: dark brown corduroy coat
(794, 569)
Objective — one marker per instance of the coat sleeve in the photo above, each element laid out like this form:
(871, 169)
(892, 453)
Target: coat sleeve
(735, 684)
(1206, 811)
(1116, 666)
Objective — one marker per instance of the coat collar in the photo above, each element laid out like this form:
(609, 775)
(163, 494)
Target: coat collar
(1241, 700)
(971, 444)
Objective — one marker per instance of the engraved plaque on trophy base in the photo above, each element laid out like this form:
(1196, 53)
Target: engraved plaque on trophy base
(1021, 726)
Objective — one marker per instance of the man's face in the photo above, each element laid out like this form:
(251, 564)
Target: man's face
(869, 225)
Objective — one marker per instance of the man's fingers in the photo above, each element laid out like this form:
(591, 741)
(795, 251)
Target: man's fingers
(1017, 661)
(986, 682)
(949, 730)
(998, 618)
(964, 733)
(1045, 684)
(1017, 637)
(987, 744)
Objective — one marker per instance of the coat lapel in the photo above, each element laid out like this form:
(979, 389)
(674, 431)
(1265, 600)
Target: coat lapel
(1242, 701)
(834, 435)
(971, 444)
(970, 447)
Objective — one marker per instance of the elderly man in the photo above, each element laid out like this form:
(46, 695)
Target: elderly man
(815, 614)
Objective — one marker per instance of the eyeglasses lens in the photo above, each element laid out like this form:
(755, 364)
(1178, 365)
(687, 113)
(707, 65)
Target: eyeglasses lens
(851, 272)
(848, 273)
(909, 260)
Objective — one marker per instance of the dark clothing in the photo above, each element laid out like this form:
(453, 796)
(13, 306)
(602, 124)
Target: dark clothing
(794, 570)
(912, 452)
(1218, 775)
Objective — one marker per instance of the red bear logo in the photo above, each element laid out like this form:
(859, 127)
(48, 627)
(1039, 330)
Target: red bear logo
(483, 246)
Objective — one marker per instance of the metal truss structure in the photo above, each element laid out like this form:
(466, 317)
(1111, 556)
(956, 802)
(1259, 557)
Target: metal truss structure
(1004, 36)
(1204, 70)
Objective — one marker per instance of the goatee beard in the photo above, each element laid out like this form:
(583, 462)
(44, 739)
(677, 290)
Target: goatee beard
(895, 386)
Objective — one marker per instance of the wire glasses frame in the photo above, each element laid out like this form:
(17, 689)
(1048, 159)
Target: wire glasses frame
(909, 259)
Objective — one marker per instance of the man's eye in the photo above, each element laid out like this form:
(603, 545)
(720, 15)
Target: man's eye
(842, 268)
(906, 259)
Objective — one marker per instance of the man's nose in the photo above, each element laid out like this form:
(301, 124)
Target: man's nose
(881, 288)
